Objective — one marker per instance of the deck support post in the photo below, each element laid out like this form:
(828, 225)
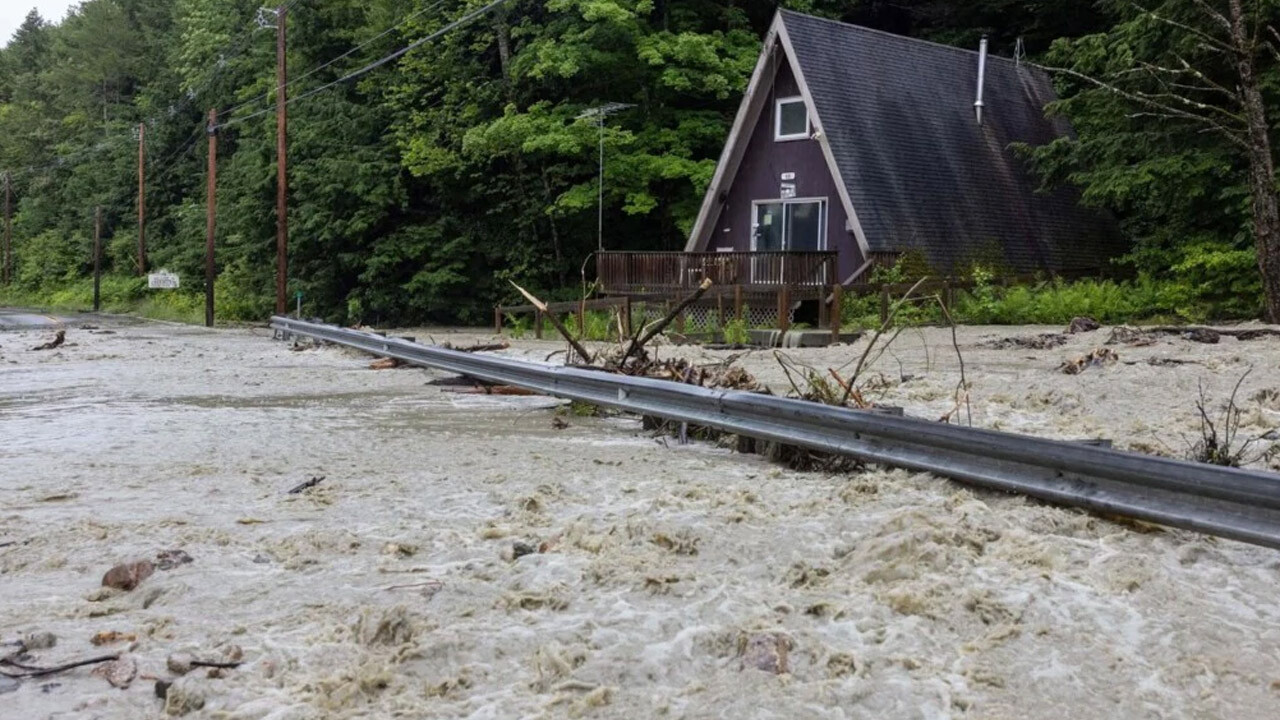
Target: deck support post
(837, 300)
(784, 308)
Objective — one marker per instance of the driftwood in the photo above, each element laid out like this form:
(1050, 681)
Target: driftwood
(55, 342)
(555, 321)
(30, 671)
(658, 327)
(480, 347)
(1239, 334)
(306, 485)
(888, 321)
(482, 389)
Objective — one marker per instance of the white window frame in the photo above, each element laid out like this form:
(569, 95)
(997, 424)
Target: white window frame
(777, 119)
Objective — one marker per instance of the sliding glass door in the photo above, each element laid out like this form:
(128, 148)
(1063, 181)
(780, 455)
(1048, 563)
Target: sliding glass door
(790, 225)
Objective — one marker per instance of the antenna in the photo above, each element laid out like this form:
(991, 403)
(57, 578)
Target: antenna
(982, 77)
(600, 113)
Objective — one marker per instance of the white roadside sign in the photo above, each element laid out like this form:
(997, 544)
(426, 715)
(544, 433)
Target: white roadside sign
(163, 280)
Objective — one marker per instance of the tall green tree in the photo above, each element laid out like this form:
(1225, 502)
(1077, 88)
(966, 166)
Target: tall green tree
(1173, 105)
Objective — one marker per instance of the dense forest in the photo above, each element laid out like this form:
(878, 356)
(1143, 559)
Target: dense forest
(417, 189)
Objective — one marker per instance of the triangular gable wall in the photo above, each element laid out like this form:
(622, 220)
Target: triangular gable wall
(776, 49)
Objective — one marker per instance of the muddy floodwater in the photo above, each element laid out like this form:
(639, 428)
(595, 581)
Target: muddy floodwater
(474, 557)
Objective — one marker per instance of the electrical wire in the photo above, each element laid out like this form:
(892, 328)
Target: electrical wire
(464, 20)
(344, 55)
(240, 45)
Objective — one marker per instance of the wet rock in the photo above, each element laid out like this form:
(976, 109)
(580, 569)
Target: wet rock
(1202, 335)
(127, 576)
(107, 637)
(99, 594)
(1082, 324)
(183, 696)
(1100, 357)
(516, 550)
(39, 640)
(1130, 336)
(767, 652)
(179, 663)
(399, 549)
(119, 672)
(170, 559)
(1044, 341)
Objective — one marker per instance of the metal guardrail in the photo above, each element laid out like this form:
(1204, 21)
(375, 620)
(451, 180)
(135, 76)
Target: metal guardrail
(1228, 502)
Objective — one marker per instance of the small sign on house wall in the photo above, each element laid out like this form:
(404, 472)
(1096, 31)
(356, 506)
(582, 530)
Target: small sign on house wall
(787, 191)
(788, 176)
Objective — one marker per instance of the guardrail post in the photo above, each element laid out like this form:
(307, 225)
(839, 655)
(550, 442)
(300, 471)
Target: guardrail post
(884, 305)
(537, 324)
(497, 319)
(626, 315)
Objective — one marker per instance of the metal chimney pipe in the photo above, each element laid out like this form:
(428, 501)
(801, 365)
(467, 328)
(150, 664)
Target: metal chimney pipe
(982, 77)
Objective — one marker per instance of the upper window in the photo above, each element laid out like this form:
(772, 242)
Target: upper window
(791, 119)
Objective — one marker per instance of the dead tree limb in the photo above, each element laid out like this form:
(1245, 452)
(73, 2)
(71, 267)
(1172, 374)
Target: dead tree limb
(555, 321)
(55, 342)
(481, 347)
(662, 324)
(888, 321)
(30, 671)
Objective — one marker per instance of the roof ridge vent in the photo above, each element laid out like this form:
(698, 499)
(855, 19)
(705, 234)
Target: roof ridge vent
(982, 77)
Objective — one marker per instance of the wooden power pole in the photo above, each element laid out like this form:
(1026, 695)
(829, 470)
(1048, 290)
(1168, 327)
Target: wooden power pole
(282, 177)
(6, 257)
(142, 198)
(210, 211)
(97, 258)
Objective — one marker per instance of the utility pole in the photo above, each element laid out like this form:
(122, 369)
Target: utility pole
(6, 257)
(282, 177)
(142, 198)
(210, 209)
(97, 258)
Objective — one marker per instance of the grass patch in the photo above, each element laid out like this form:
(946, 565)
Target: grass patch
(119, 294)
(1051, 302)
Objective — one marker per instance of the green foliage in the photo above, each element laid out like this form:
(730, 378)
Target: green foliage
(419, 190)
(517, 325)
(735, 332)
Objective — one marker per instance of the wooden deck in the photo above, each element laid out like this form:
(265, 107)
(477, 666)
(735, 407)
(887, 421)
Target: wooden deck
(623, 273)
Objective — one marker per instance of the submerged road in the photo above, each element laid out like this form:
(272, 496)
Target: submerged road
(27, 320)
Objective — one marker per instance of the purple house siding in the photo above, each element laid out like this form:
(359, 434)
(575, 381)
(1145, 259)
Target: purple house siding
(759, 177)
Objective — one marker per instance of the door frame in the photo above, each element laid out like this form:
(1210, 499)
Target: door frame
(824, 208)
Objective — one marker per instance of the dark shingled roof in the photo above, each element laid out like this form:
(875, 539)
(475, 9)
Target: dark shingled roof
(921, 173)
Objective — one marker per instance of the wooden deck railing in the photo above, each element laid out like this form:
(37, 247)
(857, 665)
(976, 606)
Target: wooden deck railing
(624, 272)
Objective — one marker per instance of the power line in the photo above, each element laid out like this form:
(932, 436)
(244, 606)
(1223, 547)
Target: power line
(465, 19)
(344, 55)
(234, 50)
